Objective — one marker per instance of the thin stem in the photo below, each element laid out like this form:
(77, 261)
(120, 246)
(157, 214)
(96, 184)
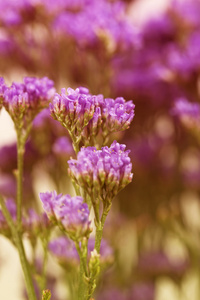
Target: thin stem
(19, 175)
(20, 247)
(99, 231)
(82, 272)
(77, 188)
(21, 140)
(45, 259)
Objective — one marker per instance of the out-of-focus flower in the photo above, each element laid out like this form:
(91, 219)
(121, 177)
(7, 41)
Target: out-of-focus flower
(65, 251)
(90, 23)
(69, 212)
(142, 291)
(188, 113)
(155, 264)
(62, 147)
(112, 293)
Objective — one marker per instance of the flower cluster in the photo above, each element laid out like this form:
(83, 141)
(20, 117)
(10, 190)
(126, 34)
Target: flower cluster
(86, 115)
(68, 212)
(73, 110)
(24, 100)
(104, 172)
(109, 26)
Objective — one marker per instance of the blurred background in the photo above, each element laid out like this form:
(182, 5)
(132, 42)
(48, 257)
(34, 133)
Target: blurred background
(145, 51)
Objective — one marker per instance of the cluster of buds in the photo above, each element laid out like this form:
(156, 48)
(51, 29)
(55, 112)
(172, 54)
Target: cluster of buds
(86, 115)
(73, 110)
(70, 213)
(102, 173)
(24, 100)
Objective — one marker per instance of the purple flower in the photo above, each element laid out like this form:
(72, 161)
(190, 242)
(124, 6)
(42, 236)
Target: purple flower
(104, 172)
(65, 250)
(93, 22)
(73, 110)
(86, 115)
(63, 147)
(116, 114)
(111, 115)
(24, 100)
(69, 212)
(188, 113)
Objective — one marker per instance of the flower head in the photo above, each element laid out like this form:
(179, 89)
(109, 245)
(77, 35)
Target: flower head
(111, 115)
(24, 100)
(73, 110)
(86, 116)
(69, 212)
(104, 172)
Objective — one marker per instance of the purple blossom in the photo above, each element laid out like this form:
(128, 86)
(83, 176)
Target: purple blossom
(111, 115)
(65, 250)
(105, 171)
(63, 147)
(93, 22)
(74, 109)
(70, 212)
(116, 114)
(188, 113)
(86, 115)
(25, 100)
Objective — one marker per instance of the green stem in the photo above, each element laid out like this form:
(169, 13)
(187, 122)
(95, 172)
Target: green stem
(21, 140)
(99, 231)
(20, 162)
(20, 247)
(82, 272)
(45, 259)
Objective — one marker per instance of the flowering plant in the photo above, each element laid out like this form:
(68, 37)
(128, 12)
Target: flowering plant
(97, 175)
